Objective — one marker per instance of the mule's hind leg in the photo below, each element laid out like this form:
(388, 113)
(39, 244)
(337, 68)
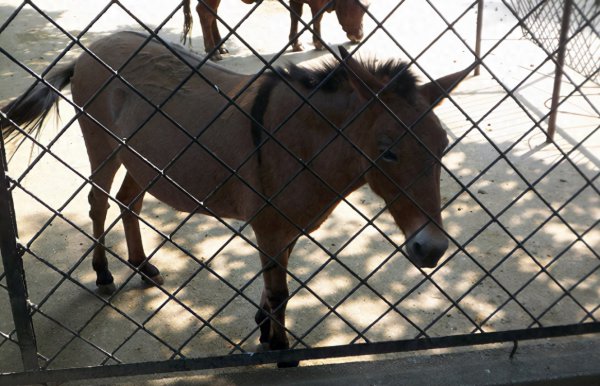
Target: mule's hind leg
(131, 195)
(102, 177)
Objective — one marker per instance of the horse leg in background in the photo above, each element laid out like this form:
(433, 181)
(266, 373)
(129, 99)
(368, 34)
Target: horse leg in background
(207, 10)
(217, 36)
(215, 29)
(315, 8)
(131, 196)
(295, 15)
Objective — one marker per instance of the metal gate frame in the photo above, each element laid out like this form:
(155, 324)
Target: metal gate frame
(22, 310)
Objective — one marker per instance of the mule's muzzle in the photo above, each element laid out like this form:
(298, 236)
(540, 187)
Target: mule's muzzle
(426, 248)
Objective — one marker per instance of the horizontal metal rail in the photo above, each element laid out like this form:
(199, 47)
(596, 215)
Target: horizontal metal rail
(247, 359)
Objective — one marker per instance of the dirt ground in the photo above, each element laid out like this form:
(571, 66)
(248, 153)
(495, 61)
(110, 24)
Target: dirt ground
(535, 262)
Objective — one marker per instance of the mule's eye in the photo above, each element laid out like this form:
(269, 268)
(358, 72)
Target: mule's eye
(389, 156)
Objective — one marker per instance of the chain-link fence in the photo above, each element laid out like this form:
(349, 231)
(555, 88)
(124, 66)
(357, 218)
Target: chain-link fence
(268, 150)
(543, 27)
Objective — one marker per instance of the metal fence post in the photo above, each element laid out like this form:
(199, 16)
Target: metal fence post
(15, 275)
(560, 62)
(478, 36)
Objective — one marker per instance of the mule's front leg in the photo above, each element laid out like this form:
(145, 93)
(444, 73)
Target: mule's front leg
(98, 209)
(131, 195)
(262, 319)
(275, 294)
(98, 199)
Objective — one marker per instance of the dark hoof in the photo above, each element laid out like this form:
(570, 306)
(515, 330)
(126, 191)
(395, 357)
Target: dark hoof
(105, 282)
(262, 347)
(106, 289)
(156, 280)
(284, 365)
(223, 50)
(297, 48)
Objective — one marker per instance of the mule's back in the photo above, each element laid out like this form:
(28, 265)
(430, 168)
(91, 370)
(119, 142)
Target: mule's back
(169, 117)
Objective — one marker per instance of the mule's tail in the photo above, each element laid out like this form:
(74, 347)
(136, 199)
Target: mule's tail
(187, 22)
(29, 111)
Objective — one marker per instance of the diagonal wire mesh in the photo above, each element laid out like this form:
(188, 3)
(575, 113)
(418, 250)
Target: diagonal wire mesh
(583, 50)
(354, 277)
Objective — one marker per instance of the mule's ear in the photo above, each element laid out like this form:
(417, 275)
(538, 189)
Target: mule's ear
(362, 81)
(435, 92)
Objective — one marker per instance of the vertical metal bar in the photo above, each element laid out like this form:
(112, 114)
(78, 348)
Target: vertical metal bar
(560, 62)
(15, 275)
(478, 36)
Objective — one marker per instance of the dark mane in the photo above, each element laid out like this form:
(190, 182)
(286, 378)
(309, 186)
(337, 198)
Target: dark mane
(330, 75)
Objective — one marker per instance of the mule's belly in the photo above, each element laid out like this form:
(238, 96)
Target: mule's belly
(192, 166)
(193, 180)
(194, 152)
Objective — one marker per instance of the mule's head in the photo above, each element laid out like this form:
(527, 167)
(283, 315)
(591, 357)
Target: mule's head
(405, 141)
(350, 15)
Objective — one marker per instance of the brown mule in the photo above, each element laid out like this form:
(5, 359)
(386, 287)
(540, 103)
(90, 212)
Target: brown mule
(260, 154)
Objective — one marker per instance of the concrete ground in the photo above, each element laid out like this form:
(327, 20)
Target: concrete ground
(563, 291)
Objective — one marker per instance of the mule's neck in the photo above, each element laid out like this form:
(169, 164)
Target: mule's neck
(316, 132)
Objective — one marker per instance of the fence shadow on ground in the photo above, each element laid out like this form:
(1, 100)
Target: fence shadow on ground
(517, 294)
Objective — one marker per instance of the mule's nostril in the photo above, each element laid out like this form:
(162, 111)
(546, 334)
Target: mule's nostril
(418, 248)
(426, 247)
